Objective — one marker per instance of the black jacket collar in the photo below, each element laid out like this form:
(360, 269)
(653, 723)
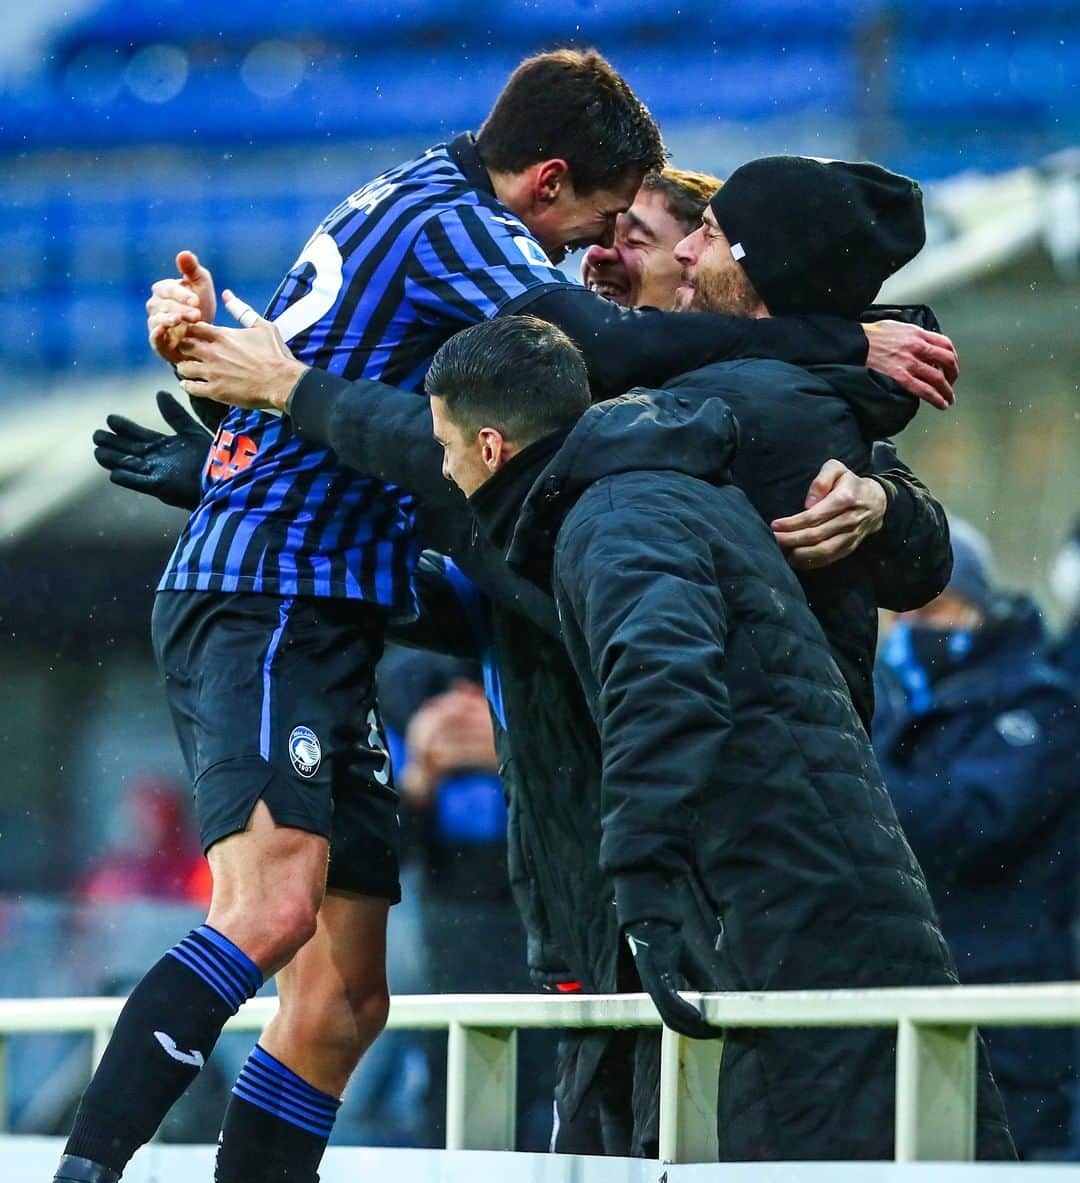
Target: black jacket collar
(497, 503)
(463, 153)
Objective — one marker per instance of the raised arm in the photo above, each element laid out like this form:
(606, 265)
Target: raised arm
(625, 347)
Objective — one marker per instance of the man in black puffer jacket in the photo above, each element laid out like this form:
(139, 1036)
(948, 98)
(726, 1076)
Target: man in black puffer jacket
(745, 826)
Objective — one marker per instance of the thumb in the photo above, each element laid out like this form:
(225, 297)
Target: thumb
(240, 311)
(822, 484)
(187, 263)
(176, 416)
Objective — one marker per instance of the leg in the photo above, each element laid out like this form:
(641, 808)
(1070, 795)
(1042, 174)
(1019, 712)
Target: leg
(334, 997)
(334, 1002)
(173, 1018)
(269, 882)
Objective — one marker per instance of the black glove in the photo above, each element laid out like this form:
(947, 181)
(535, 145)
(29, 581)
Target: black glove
(169, 467)
(661, 960)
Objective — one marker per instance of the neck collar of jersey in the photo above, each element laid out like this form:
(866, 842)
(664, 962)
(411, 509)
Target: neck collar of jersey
(463, 152)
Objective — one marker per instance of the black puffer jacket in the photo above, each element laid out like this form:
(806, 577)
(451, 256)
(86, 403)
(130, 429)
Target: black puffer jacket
(740, 796)
(791, 421)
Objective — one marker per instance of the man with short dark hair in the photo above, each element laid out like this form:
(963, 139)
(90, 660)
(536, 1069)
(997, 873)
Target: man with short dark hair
(530, 385)
(744, 824)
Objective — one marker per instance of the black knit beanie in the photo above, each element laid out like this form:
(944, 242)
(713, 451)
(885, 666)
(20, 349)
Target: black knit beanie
(819, 236)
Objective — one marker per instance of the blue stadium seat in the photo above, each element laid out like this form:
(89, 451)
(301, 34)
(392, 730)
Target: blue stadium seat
(701, 23)
(411, 94)
(245, 22)
(1015, 80)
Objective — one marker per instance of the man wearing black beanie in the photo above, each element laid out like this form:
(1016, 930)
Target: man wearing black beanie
(818, 235)
(787, 233)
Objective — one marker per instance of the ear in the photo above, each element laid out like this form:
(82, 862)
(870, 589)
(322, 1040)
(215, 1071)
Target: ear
(549, 180)
(492, 448)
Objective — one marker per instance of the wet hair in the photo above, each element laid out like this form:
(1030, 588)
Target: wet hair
(572, 105)
(518, 374)
(687, 193)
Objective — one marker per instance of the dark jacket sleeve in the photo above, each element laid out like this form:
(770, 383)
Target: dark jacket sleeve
(982, 800)
(385, 433)
(625, 347)
(645, 623)
(380, 431)
(910, 557)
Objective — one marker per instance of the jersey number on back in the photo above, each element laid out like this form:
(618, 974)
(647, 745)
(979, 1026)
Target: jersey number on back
(323, 254)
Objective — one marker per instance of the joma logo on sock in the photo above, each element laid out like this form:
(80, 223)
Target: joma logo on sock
(193, 1057)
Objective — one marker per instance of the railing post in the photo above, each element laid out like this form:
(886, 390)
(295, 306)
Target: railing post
(935, 1093)
(4, 1114)
(101, 1038)
(689, 1088)
(481, 1088)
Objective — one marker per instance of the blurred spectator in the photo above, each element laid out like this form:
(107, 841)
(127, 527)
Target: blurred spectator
(1065, 580)
(439, 727)
(978, 740)
(157, 854)
(451, 782)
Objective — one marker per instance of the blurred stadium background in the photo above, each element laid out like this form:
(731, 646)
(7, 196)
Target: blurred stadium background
(131, 129)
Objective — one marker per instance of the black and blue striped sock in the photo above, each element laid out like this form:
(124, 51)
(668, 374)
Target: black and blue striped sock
(164, 1034)
(276, 1126)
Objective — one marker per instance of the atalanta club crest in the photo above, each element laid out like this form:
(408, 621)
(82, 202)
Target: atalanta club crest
(305, 751)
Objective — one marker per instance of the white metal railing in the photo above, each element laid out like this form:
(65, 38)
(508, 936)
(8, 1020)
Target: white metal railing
(935, 1063)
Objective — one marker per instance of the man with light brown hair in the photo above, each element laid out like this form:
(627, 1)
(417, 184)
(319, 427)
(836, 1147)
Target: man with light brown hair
(638, 268)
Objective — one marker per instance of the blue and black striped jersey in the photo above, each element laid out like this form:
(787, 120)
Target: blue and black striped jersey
(422, 251)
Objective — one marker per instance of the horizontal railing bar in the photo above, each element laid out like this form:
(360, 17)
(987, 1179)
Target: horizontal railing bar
(1049, 1004)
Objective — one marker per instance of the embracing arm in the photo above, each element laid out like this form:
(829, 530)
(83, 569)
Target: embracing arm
(449, 612)
(888, 516)
(910, 557)
(625, 347)
(378, 430)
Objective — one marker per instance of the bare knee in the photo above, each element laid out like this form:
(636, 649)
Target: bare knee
(370, 1011)
(271, 932)
(269, 882)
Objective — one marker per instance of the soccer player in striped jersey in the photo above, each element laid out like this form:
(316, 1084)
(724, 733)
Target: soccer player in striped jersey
(270, 617)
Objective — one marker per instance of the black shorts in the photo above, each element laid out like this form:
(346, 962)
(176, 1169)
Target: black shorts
(274, 700)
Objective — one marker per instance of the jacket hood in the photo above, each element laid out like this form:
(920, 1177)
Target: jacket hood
(642, 430)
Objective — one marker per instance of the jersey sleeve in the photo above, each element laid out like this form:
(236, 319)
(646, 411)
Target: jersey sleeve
(471, 260)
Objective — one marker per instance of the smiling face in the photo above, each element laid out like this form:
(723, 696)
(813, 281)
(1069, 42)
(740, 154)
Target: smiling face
(712, 279)
(639, 267)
